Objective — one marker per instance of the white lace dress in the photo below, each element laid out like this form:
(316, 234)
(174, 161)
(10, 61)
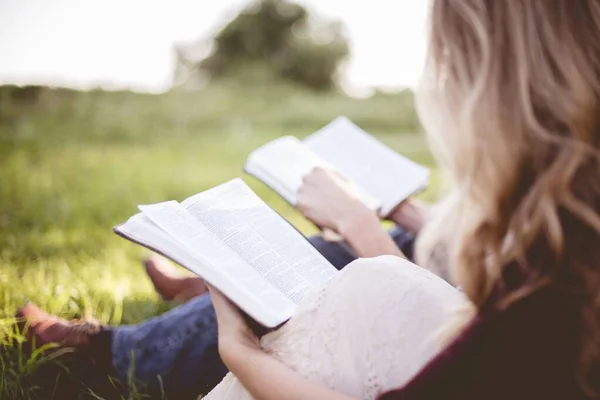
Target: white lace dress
(368, 330)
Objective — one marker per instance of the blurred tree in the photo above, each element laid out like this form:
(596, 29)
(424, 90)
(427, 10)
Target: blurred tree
(279, 36)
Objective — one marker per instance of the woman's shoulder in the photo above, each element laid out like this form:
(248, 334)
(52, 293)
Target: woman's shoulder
(397, 268)
(387, 265)
(394, 283)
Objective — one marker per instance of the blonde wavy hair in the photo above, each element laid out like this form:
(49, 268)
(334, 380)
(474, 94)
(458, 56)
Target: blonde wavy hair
(511, 105)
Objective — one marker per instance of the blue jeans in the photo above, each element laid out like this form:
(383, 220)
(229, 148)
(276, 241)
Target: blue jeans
(178, 349)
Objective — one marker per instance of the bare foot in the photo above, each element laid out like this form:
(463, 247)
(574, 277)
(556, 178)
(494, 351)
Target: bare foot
(170, 283)
(44, 328)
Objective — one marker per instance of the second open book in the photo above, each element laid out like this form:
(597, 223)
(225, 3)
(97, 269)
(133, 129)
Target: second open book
(383, 177)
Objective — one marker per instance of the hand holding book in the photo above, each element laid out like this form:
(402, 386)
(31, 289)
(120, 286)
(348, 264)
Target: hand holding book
(234, 329)
(329, 200)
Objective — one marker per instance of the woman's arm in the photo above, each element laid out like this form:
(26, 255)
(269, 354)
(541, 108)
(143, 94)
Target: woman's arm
(263, 376)
(411, 214)
(362, 230)
(268, 379)
(331, 202)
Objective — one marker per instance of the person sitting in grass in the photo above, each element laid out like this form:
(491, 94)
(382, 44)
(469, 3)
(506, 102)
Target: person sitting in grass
(511, 103)
(177, 351)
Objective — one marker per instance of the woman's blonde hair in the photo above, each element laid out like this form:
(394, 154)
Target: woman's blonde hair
(511, 105)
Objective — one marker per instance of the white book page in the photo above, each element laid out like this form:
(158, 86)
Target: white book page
(261, 237)
(377, 169)
(142, 230)
(282, 164)
(223, 267)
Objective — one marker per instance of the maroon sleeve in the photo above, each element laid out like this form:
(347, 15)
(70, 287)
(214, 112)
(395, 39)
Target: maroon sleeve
(452, 373)
(525, 352)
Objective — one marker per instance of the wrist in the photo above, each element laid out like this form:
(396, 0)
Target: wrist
(358, 221)
(410, 214)
(234, 352)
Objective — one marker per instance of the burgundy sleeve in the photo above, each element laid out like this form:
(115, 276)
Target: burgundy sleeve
(521, 353)
(452, 373)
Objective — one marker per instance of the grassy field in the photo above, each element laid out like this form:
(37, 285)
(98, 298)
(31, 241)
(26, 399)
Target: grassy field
(72, 165)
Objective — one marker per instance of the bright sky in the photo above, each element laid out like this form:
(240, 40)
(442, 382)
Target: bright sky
(127, 43)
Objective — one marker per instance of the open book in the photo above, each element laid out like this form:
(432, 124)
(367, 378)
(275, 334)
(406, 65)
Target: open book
(237, 243)
(383, 177)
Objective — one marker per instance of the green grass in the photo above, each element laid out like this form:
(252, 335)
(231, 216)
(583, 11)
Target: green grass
(72, 165)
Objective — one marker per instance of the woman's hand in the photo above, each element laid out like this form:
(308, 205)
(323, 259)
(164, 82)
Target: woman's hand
(330, 201)
(265, 377)
(235, 335)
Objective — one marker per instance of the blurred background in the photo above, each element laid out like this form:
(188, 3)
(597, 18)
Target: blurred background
(108, 104)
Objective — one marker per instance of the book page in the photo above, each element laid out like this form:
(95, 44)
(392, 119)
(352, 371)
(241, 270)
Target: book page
(261, 237)
(282, 164)
(377, 169)
(142, 230)
(243, 285)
